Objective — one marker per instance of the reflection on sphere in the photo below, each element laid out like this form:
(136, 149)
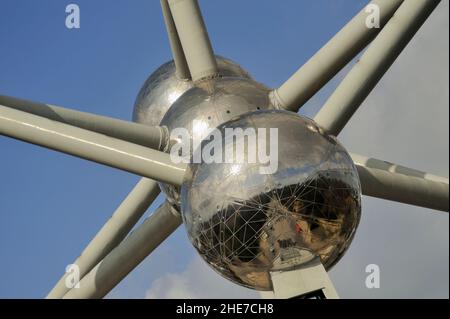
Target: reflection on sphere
(163, 88)
(245, 224)
(211, 104)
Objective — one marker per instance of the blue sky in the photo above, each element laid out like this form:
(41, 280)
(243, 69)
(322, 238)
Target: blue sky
(51, 204)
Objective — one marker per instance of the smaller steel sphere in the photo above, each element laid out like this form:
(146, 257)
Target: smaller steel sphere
(246, 221)
(163, 88)
(209, 104)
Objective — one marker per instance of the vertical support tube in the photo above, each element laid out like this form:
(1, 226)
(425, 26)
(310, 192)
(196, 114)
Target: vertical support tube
(308, 281)
(194, 39)
(175, 44)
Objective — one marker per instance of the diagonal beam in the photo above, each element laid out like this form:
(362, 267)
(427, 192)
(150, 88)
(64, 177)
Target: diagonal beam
(397, 183)
(182, 69)
(374, 63)
(194, 39)
(394, 168)
(329, 60)
(128, 255)
(153, 137)
(90, 145)
(113, 232)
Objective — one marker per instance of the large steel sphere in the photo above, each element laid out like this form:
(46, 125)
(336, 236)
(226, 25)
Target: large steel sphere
(246, 224)
(210, 104)
(163, 88)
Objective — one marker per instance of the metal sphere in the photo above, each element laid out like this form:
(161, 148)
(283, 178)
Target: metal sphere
(246, 224)
(163, 88)
(210, 104)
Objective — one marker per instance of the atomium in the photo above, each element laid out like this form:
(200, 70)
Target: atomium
(209, 104)
(163, 88)
(246, 224)
(266, 229)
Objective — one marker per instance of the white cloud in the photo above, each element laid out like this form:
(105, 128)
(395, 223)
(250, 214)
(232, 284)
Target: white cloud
(198, 281)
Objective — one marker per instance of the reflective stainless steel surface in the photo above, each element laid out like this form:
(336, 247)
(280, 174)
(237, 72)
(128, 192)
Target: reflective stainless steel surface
(210, 104)
(163, 88)
(245, 224)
